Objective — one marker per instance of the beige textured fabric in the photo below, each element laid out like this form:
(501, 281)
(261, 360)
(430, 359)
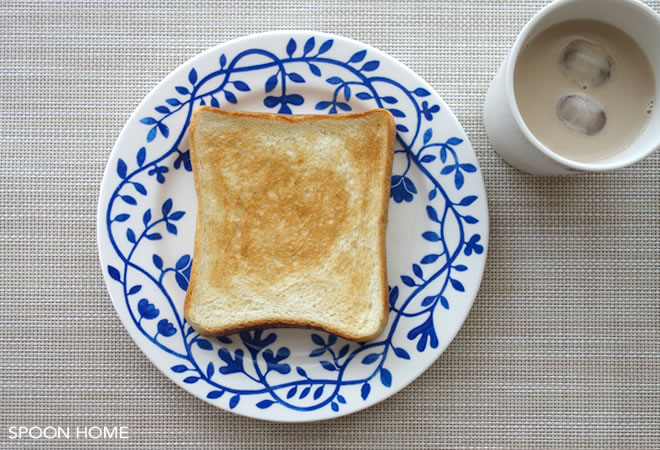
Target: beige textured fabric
(561, 349)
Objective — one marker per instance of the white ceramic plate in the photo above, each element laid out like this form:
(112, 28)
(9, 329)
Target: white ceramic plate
(436, 238)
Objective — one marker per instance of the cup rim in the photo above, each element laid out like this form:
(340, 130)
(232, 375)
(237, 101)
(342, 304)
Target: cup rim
(524, 34)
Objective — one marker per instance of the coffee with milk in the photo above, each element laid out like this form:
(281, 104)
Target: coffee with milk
(584, 88)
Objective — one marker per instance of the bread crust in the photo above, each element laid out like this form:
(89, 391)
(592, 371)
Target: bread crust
(383, 193)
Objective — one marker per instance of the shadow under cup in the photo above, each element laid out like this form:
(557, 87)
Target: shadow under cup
(506, 129)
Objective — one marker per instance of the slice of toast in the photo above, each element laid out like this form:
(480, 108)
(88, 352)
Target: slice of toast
(292, 213)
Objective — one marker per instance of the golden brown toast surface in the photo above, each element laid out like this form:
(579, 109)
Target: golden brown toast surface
(291, 221)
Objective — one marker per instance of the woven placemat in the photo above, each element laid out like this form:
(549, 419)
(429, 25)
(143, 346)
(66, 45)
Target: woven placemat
(561, 348)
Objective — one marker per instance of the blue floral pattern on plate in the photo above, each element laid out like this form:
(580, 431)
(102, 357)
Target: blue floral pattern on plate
(436, 240)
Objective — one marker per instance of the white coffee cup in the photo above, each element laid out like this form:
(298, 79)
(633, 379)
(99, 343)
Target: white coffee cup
(505, 126)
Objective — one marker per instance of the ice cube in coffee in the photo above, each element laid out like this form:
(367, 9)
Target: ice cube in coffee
(586, 63)
(581, 113)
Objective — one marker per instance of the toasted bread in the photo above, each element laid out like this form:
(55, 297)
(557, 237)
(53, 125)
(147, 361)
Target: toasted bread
(292, 213)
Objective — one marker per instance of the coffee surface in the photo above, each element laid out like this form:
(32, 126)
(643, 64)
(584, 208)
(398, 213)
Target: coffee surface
(599, 65)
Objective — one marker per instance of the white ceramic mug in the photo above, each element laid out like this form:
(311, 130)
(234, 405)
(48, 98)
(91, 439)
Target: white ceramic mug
(505, 127)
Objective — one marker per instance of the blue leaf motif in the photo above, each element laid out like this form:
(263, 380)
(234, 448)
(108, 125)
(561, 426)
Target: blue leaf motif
(418, 271)
(470, 219)
(397, 112)
(457, 285)
(427, 158)
(296, 78)
(122, 218)
(172, 102)
(182, 262)
(301, 372)
(318, 340)
(241, 86)
(454, 141)
(408, 281)
(365, 390)
(154, 236)
(230, 97)
(166, 328)
(318, 392)
(427, 135)
(327, 365)
(181, 281)
(265, 404)
(130, 235)
(291, 47)
(402, 128)
(210, 370)
(114, 273)
(214, 394)
(291, 392)
(158, 262)
(385, 377)
(428, 300)
(370, 66)
(305, 392)
(371, 358)
(271, 82)
(466, 201)
(390, 100)
(135, 289)
(314, 69)
(167, 206)
(128, 199)
(358, 56)
(151, 135)
(191, 380)
(182, 90)
(140, 188)
(401, 353)
(204, 344)
(171, 228)
(192, 76)
(147, 310)
(364, 96)
(444, 302)
(432, 213)
(430, 259)
(320, 106)
(121, 168)
(334, 80)
(334, 406)
(223, 60)
(176, 215)
(459, 179)
(233, 402)
(180, 368)
(325, 46)
(394, 295)
(421, 92)
(309, 46)
(431, 236)
(146, 218)
(162, 109)
(148, 121)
